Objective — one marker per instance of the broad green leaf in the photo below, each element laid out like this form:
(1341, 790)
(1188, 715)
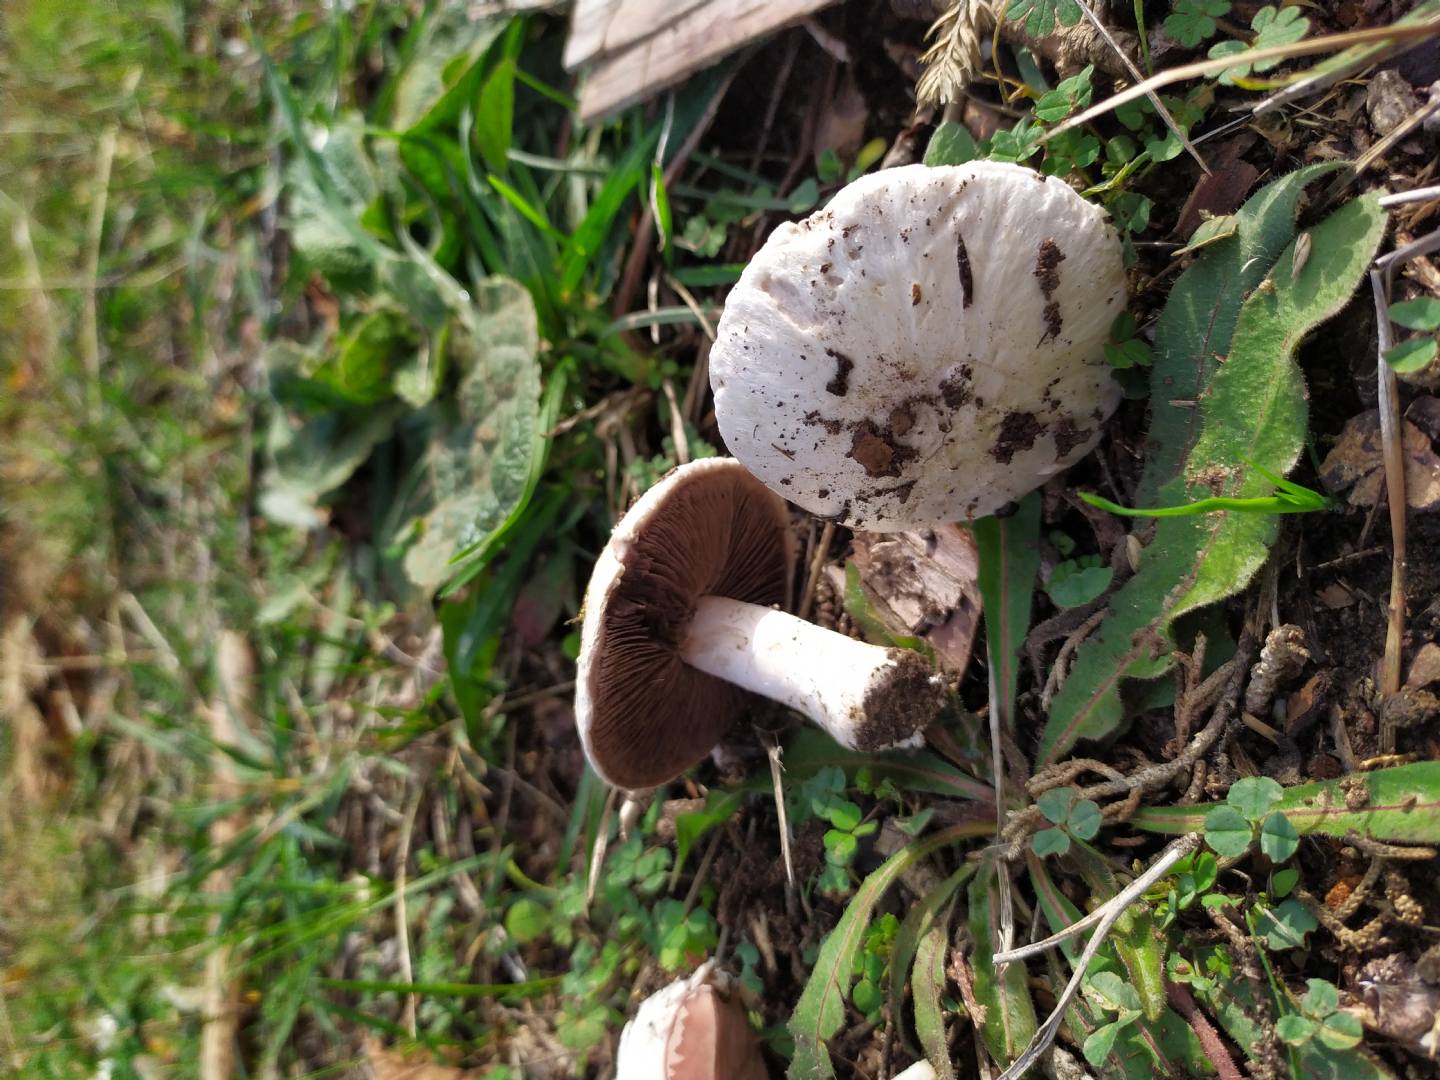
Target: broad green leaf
(1192, 21)
(1055, 804)
(1050, 842)
(473, 560)
(1198, 320)
(1227, 832)
(820, 1012)
(1422, 313)
(719, 807)
(362, 371)
(1084, 821)
(478, 467)
(1411, 356)
(927, 985)
(1403, 806)
(316, 457)
(1254, 795)
(1285, 925)
(951, 144)
(1100, 1042)
(329, 189)
(1040, 16)
(1078, 581)
(1278, 838)
(1252, 411)
(1295, 1029)
(919, 920)
(1009, 1020)
(1210, 231)
(1112, 993)
(446, 68)
(1341, 1031)
(1009, 553)
(1232, 1001)
(1321, 997)
(526, 920)
(1072, 94)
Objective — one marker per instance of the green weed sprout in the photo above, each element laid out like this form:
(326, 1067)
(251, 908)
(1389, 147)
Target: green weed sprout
(1289, 498)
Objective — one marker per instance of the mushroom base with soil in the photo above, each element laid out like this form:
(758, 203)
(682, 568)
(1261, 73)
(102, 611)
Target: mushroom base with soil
(866, 696)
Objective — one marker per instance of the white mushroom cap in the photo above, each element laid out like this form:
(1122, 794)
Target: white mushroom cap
(926, 349)
(691, 1030)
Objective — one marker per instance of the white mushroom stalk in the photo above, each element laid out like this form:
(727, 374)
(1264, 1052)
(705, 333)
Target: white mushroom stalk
(862, 694)
(681, 628)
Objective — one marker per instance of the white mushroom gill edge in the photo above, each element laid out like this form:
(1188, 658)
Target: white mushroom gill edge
(817, 672)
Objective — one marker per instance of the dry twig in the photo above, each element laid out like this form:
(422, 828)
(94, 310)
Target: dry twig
(1109, 913)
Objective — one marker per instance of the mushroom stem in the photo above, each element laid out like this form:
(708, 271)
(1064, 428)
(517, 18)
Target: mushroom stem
(866, 696)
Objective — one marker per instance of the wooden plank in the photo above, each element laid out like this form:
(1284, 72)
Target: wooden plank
(636, 20)
(588, 24)
(683, 47)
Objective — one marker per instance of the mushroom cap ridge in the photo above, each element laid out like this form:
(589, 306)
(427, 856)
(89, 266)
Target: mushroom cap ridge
(707, 528)
(926, 349)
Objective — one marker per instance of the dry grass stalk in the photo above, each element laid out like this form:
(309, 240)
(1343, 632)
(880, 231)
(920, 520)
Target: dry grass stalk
(220, 1000)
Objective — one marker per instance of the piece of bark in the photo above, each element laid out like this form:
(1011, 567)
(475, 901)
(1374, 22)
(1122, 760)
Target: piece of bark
(698, 38)
(925, 585)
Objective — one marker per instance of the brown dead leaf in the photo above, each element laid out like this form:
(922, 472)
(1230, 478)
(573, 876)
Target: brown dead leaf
(1335, 596)
(925, 585)
(1357, 463)
(842, 125)
(1222, 190)
(389, 1064)
(1306, 705)
(1425, 668)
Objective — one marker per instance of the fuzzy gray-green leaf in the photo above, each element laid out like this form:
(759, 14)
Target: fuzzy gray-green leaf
(1009, 1010)
(927, 984)
(1252, 411)
(477, 469)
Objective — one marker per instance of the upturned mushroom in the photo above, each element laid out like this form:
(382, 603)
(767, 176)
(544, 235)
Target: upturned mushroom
(679, 629)
(927, 348)
(693, 1029)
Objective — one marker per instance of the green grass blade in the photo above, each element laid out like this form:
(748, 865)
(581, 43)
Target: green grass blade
(820, 1012)
(1009, 552)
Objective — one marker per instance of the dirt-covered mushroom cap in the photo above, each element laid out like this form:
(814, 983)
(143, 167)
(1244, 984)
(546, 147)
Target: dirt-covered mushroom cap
(708, 529)
(927, 348)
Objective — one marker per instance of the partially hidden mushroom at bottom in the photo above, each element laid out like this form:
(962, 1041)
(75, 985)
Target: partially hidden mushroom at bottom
(679, 629)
